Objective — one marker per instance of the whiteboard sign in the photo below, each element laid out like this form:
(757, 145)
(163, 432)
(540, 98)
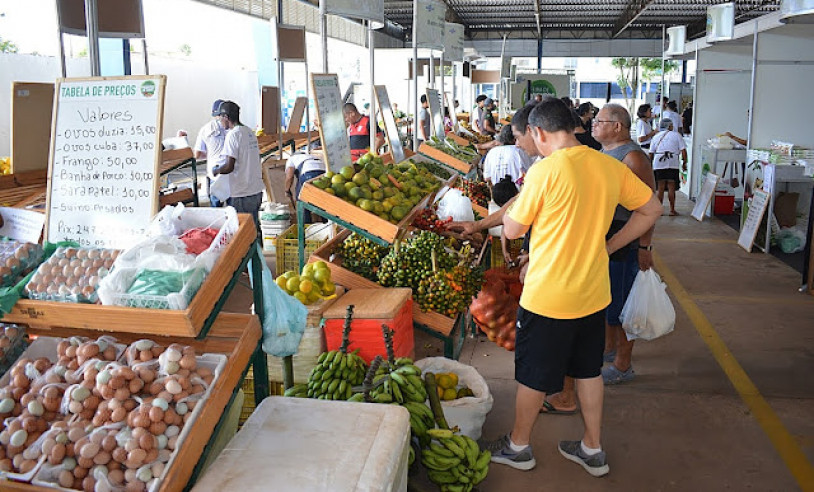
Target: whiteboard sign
(103, 166)
(757, 207)
(393, 136)
(434, 99)
(22, 225)
(704, 197)
(332, 130)
(429, 24)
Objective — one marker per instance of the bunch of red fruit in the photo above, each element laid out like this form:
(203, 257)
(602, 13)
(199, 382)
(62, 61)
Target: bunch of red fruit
(427, 220)
(477, 191)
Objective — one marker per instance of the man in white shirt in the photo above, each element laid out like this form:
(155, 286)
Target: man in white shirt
(241, 161)
(209, 145)
(665, 148)
(505, 160)
(477, 115)
(424, 121)
(671, 113)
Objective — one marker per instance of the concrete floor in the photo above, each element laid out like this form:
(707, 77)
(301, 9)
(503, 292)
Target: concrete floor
(682, 424)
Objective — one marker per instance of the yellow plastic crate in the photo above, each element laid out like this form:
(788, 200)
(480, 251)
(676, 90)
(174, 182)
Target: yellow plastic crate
(288, 250)
(497, 252)
(275, 389)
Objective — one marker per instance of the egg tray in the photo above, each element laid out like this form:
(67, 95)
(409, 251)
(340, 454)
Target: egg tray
(71, 275)
(16, 258)
(47, 347)
(13, 352)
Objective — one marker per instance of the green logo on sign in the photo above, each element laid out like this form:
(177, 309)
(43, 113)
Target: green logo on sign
(148, 88)
(543, 87)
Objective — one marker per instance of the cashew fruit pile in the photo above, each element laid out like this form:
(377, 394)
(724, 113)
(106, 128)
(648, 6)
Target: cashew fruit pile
(494, 310)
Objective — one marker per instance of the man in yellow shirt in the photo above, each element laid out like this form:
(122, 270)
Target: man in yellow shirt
(568, 202)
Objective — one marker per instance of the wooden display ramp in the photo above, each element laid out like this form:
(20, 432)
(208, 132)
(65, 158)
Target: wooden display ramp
(151, 322)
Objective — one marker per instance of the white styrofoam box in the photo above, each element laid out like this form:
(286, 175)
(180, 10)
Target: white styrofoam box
(312, 445)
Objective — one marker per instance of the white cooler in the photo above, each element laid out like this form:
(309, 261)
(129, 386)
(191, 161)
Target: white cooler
(315, 445)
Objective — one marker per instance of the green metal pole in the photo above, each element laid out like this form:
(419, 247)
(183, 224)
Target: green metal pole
(259, 363)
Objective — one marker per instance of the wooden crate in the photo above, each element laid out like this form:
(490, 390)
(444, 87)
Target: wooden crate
(458, 140)
(462, 167)
(23, 189)
(150, 322)
(236, 336)
(360, 219)
(435, 321)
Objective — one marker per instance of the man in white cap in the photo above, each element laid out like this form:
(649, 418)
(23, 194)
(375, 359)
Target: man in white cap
(209, 145)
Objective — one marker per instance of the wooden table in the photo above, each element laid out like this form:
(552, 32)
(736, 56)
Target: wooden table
(235, 335)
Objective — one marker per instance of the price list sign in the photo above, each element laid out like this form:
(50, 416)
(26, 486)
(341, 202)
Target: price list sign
(393, 135)
(434, 98)
(332, 131)
(103, 168)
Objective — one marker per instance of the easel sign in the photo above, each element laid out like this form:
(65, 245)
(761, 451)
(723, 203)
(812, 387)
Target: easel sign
(705, 196)
(434, 99)
(390, 127)
(760, 200)
(332, 131)
(103, 161)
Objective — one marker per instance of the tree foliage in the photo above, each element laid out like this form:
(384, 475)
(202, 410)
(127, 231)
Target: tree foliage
(631, 69)
(7, 46)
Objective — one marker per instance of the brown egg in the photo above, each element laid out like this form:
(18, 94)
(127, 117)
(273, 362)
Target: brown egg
(152, 455)
(146, 442)
(89, 450)
(13, 263)
(80, 472)
(81, 254)
(157, 428)
(116, 477)
(156, 414)
(70, 253)
(119, 454)
(66, 479)
(118, 414)
(130, 404)
(141, 421)
(137, 455)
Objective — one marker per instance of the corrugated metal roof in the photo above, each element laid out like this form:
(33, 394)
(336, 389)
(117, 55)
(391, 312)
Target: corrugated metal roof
(557, 18)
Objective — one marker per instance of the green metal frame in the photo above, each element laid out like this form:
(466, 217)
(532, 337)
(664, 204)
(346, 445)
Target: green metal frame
(452, 350)
(258, 362)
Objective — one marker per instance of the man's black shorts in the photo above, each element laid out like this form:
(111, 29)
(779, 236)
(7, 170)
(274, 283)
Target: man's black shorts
(548, 349)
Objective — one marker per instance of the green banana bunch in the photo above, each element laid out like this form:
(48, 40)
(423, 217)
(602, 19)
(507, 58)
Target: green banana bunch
(421, 421)
(335, 374)
(297, 391)
(454, 463)
(401, 384)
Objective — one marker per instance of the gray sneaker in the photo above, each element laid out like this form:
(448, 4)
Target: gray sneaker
(502, 453)
(596, 465)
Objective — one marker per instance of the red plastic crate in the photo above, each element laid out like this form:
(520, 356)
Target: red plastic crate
(724, 204)
(366, 332)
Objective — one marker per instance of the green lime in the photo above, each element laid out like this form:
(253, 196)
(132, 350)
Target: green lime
(293, 284)
(347, 172)
(306, 286)
(337, 179)
(360, 178)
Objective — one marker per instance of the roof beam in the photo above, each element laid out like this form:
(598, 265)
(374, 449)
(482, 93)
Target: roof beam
(537, 18)
(633, 10)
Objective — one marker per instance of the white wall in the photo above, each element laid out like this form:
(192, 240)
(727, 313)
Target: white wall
(191, 89)
(723, 85)
(783, 87)
(783, 105)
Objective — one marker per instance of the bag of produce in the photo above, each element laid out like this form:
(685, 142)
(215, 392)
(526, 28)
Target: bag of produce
(467, 413)
(454, 204)
(284, 317)
(648, 312)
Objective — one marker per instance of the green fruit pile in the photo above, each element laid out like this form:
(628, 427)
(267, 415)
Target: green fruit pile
(312, 285)
(454, 463)
(446, 287)
(434, 168)
(335, 374)
(389, 192)
(361, 255)
(450, 147)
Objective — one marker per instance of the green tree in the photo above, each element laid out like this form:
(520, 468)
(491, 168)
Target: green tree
(7, 46)
(630, 70)
(185, 49)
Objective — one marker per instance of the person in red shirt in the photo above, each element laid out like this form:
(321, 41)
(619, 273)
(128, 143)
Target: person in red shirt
(359, 132)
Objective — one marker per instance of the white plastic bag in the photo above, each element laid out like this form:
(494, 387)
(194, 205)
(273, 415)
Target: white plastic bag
(648, 312)
(469, 413)
(455, 205)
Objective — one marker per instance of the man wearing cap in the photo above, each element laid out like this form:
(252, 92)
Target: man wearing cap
(665, 148)
(209, 145)
(241, 163)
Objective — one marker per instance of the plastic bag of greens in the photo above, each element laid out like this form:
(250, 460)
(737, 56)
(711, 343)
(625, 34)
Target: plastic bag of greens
(791, 240)
(284, 317)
